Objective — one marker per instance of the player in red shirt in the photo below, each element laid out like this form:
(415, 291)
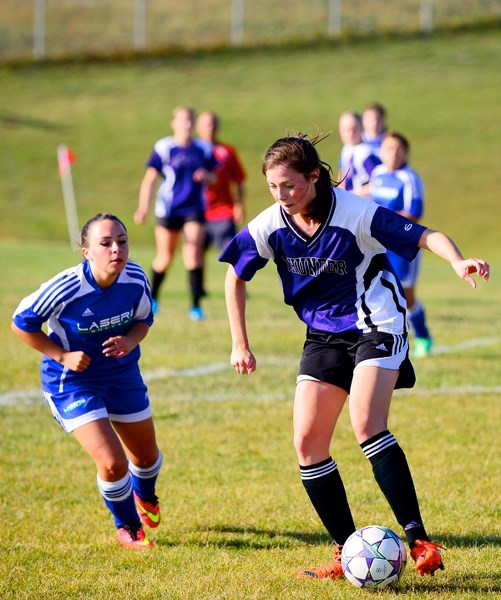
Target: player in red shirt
(224, 210)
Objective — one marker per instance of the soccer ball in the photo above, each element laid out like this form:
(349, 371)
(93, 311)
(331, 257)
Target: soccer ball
(373, 557)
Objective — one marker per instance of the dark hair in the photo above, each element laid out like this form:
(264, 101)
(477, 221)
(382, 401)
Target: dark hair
(84, 235)
(401, 138)
(379, 108)
(300, 154)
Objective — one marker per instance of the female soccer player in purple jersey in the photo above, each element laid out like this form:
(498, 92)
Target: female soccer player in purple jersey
(182, 168)
(97, 313)
(329, 247)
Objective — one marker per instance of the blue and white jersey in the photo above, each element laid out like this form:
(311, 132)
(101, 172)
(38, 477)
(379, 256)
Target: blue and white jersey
(178, 195)
(399, 190)
(339, 279)
(80, 316)
(374, 143)
(356, 164)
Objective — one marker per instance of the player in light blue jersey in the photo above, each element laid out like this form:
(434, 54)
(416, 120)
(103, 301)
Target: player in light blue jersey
(329, 248)
(182, 168)
(97, 313)
(395, 185)
(358, 159)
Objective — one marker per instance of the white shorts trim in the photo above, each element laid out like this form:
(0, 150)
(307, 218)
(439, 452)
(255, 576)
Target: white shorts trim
(133, 417)
(387, 362)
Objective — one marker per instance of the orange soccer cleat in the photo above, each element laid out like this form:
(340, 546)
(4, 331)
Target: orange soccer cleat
(427, 557)
(332, 570)
(148, 510)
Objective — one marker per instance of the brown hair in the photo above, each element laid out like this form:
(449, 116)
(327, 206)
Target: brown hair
(300, 154)
(84, 235)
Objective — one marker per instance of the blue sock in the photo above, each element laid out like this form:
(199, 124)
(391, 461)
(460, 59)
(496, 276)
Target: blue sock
(417, 317)
(144, 480)
(118, 498)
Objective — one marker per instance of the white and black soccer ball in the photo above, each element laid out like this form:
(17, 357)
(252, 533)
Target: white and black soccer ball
(373, 557)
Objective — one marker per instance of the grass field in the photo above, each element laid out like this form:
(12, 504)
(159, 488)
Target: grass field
(236, 522)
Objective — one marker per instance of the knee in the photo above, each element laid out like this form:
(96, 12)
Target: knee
(309, 448)
(112, 468)
(366, 430)
(161, 264)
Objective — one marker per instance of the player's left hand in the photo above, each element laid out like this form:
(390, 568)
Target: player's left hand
(465, 268)
(117, 347)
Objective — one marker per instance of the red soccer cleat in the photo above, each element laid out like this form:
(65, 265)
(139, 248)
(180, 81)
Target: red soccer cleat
(148, 510)
(427, 557)
(332, 570)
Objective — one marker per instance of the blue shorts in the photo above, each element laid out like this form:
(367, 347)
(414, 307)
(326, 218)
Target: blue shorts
(407, 272)
(123, 400)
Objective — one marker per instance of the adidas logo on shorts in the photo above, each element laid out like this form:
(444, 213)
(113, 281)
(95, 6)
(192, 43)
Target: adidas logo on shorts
(382, 347)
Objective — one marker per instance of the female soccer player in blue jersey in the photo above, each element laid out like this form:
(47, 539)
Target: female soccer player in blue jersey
(329, 248)
(395, 185)
(97, 313)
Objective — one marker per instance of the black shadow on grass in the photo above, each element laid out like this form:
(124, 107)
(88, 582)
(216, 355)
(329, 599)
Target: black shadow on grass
(250, 538)
(13, 120)
(482, 583)
(468, 541)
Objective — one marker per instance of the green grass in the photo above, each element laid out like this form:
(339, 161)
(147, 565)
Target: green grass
(237, 524)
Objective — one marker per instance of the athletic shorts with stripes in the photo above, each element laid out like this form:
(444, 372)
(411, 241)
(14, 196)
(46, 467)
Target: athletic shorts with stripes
(333, 357)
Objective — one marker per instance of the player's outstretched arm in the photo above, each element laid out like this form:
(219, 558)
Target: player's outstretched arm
(443, 246)
(242, 359)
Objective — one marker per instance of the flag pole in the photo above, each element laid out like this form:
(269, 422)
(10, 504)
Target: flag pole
(64, 160)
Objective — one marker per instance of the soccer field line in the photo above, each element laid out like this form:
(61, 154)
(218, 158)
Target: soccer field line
(26, 397)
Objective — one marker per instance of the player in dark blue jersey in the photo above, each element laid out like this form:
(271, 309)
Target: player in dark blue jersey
(395, 185)
(182, 168)
(329, 248)
(97, 313)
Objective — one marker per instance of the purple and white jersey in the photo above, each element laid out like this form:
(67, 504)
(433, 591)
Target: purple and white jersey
(80, 316)
(374, 143)
(400, 190)
(357, 163)
(339, 279)
(178, 195)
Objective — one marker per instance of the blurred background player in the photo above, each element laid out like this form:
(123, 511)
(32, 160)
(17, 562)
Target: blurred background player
(374, 125)
(224, 198)
(97, 314)
(182, 168)
(357, 159)
(396, 186)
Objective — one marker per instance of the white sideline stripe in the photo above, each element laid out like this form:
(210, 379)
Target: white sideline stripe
(19, 397)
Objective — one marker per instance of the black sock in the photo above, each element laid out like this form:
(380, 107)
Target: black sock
(156, 282)
(325, 488)
(393, 476)
(196, 285)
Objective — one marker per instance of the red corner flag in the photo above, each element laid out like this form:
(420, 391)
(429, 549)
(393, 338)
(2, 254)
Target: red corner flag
(65, 158)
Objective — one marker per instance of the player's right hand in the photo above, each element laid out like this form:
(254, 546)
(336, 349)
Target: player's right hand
(243, 361)
(76, 361)
(140, 217)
